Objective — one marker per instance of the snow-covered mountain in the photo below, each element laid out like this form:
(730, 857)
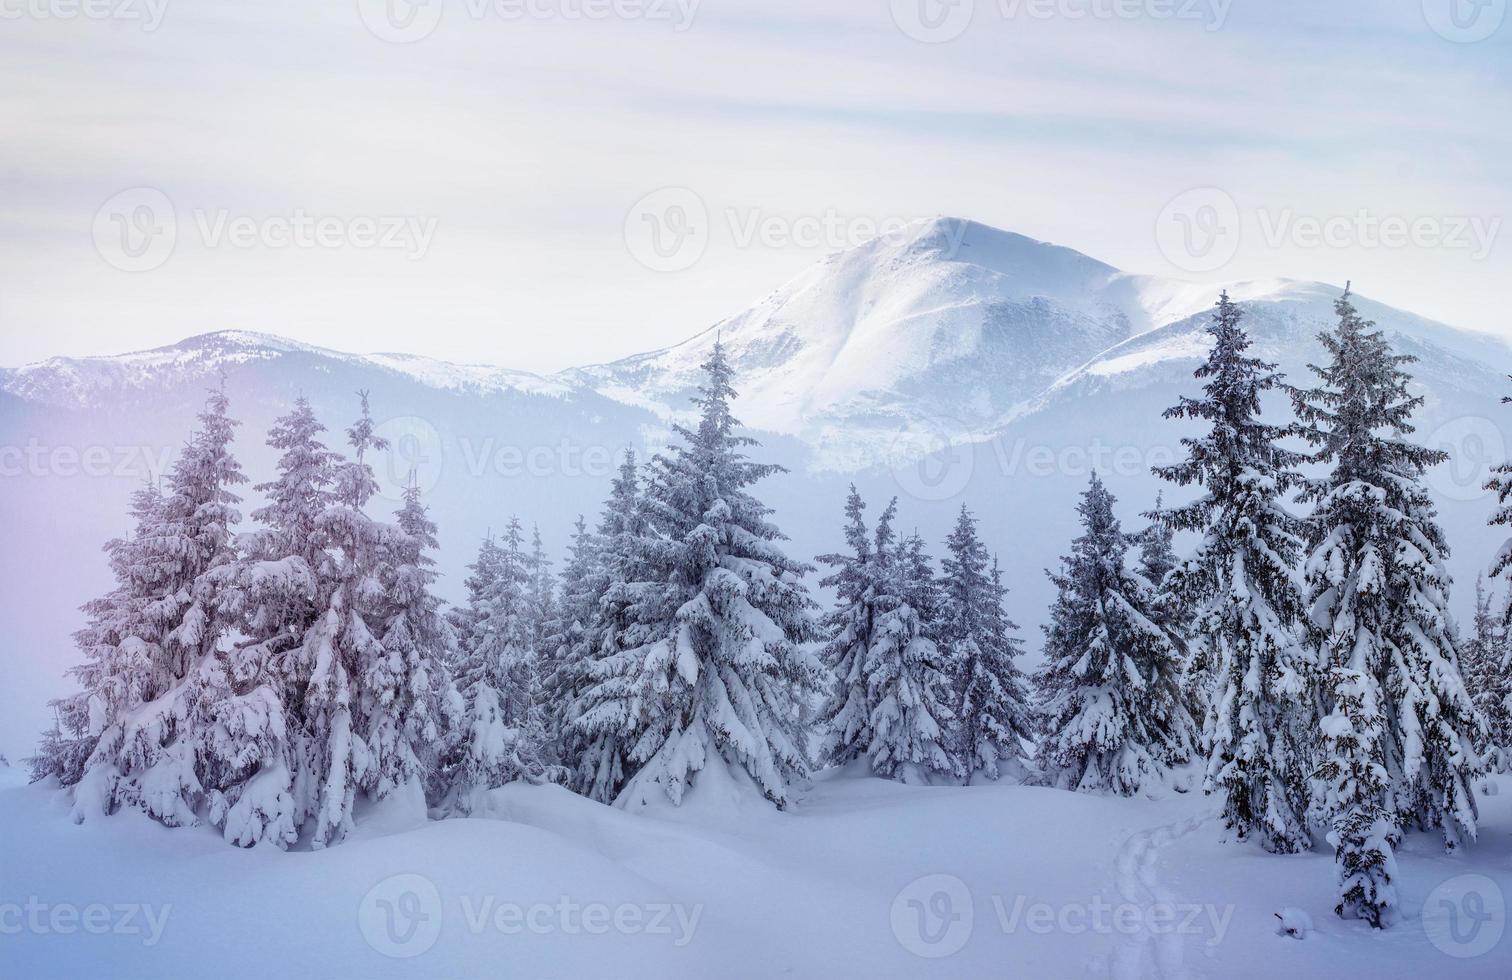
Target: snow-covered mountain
(954, 364)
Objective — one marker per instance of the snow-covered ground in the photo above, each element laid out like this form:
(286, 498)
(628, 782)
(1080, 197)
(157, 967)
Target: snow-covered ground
(863, 878)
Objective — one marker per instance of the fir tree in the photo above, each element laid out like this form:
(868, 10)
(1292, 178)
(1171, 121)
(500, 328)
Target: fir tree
(567, 640)
(1485, 659)
(501, 739)
(1110, 703)
(172, 740)
(1247, 599)
(605, 709)
(993, 722)
(117, 656)
(844, 722)
(723, 680)
(1378, 596)
(424, 704)
(914, 684)
(1157, 551)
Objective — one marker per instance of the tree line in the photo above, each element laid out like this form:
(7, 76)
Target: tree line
(264, 682)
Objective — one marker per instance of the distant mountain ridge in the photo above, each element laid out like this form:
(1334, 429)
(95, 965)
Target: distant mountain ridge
(945, 334)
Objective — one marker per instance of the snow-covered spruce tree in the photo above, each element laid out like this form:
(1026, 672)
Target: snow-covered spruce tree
(567, 641)
(914, 684)
(502, 737)
(117, 658)
(1242, 586)
(1378, 595)
(1157, 546)
(540, 612)
(426, 706)
(1486, 663)
(604, 709)
(844, 722)
(540, 596)
(724, 681)
(479, 584)
(275, 594)
(357, 705)
(1354, 782)
(172, 738)
(994, 723)
(1111, 708)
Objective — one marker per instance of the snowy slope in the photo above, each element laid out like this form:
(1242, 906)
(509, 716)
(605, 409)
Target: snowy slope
(863, 878)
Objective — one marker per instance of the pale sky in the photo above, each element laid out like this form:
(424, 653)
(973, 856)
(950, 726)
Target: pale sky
(490, 188)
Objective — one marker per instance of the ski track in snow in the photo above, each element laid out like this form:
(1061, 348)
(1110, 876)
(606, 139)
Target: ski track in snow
(1150, 954)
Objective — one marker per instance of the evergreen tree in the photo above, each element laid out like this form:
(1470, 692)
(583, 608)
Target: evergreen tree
(844, 722)
(359, 708)
(172, 740)
(567, 640)
(1378, 595)
(605, 710)
(1110, 701)
(502, 739)
(540, 598)
(1247, 599)
(723, 680)
(424, 705)
(1485, 659)
(1157, 551)
(914, 684)
(117, 656)
(994, 722)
